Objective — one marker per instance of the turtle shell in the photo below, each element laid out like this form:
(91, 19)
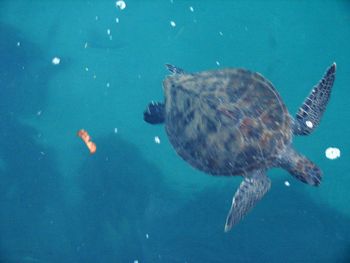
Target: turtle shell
(226, 122)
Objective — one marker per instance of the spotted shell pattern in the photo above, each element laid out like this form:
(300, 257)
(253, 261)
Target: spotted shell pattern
(226, 122)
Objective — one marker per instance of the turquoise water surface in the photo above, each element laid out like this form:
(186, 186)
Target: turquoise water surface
(135, 200)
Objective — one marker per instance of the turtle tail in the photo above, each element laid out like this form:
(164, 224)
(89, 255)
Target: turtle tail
(155, 113)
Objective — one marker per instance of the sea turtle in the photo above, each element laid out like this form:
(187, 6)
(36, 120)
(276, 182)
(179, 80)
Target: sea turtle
(233, 122)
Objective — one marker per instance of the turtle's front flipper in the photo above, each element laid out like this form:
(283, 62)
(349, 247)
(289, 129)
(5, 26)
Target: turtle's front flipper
(154, 114)
(309, 114)
(175, 70)
(251, 190)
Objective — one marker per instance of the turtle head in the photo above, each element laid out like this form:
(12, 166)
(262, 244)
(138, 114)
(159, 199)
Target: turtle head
(154, 113)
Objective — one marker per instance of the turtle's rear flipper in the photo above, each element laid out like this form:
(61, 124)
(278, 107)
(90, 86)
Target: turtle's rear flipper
(251, 190)
(154, 114)
(301, 167)
(309, 114)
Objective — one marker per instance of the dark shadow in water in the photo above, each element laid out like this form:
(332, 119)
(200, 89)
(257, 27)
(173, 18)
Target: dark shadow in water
(125, 198)
(30, 194)
(118, 186)
(99, 39)
(286, 226)
(24, 74)
(30, 189)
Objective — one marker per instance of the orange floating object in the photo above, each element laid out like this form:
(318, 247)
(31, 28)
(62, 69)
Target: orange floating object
(86, 138)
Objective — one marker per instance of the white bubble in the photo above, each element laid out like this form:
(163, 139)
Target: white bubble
(96, 18)
(147, 236)
(191, 9)
(332, 153)
(108, 85)
(86, 69)
(157, 140)
(108, 31)
(85, 45)
(120, 4)
(309, 124)
(18, 44)
(115, 130)
(56, 60)
(217, 63)
(39, 113)
(172, 23)
(136, 261)
(117, 20)
(286, 183)
(221, 34)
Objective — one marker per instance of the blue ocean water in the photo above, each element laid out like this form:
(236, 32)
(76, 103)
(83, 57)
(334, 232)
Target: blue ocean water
(135, 200)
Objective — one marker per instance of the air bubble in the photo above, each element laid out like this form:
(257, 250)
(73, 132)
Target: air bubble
(156, 140)
(56, 60)
(332, 153)
(309, 124)
(120, 4)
